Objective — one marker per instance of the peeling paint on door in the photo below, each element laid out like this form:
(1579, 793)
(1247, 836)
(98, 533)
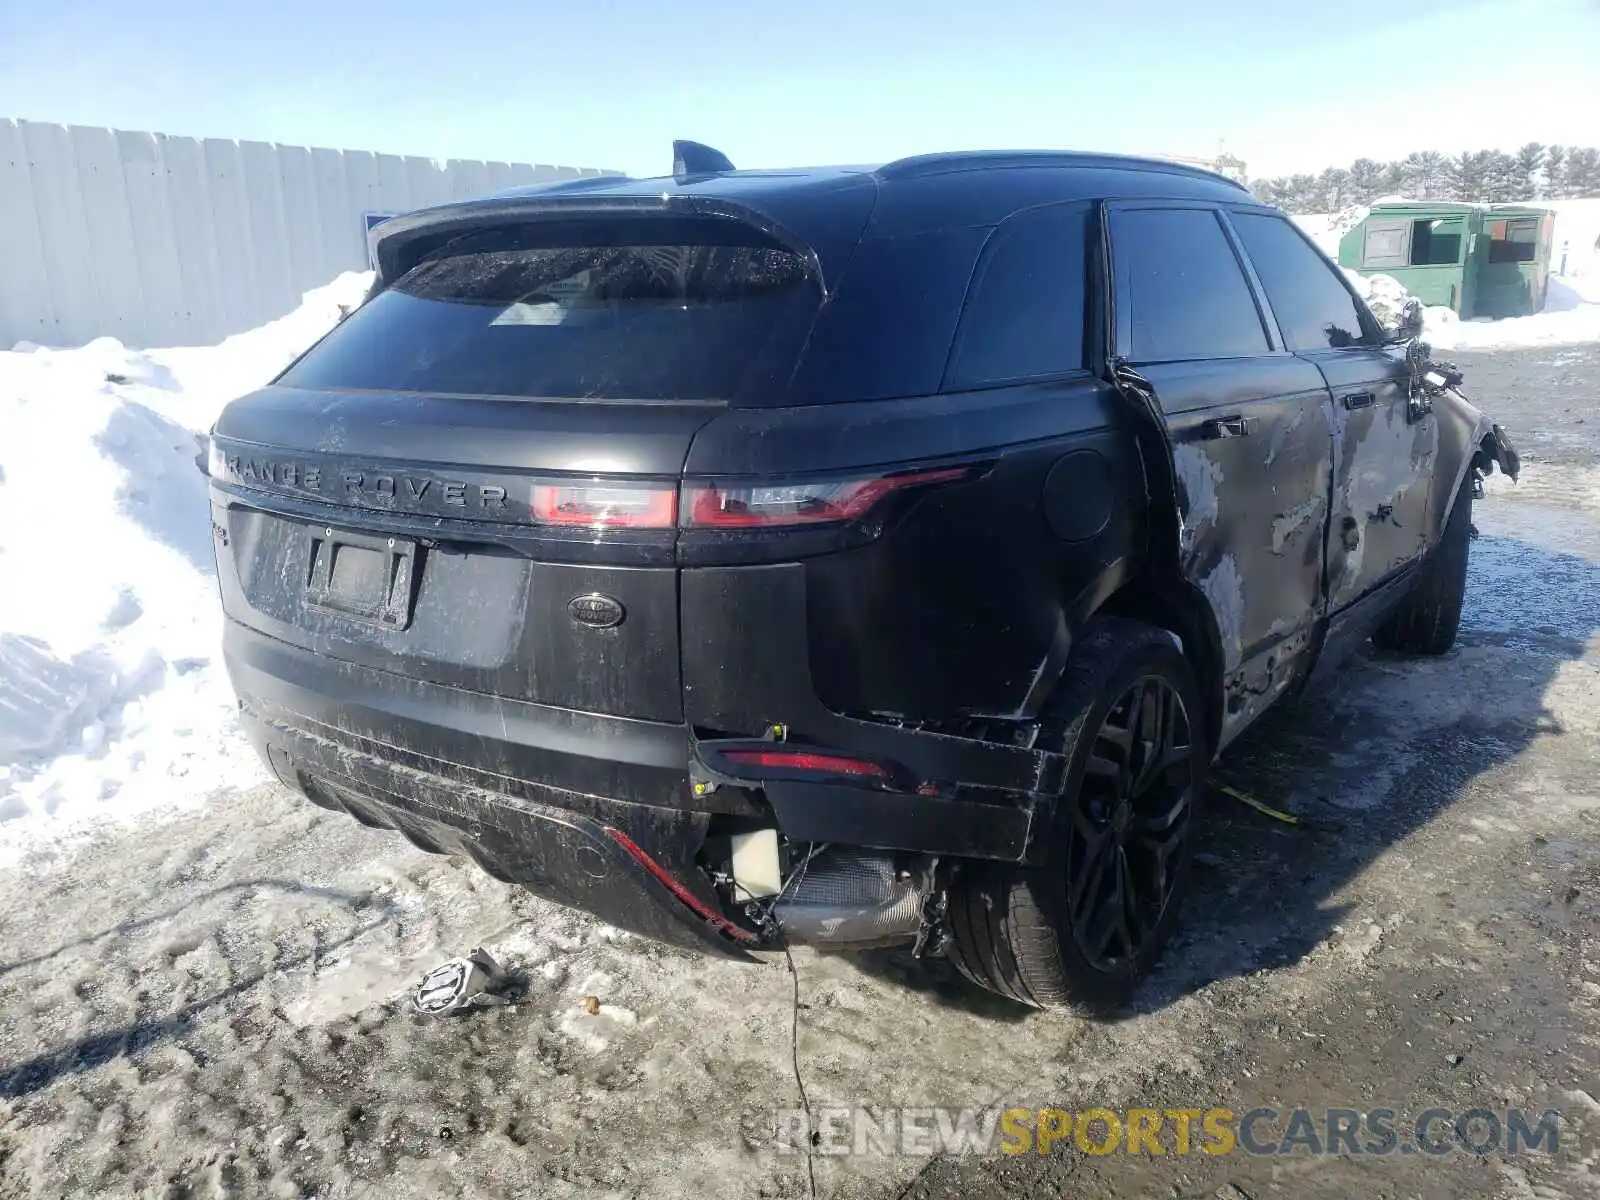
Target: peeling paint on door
(1224, 588)
(1303, 516)
(1199, 475)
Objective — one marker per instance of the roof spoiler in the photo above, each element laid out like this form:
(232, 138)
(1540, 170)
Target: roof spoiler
(399, 242)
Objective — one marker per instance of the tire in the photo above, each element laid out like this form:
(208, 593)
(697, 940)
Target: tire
(1012, 928)
(1428, 619)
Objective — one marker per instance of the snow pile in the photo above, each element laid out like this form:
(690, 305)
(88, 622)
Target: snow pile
(1385, 295)
(1571, 314)
(1325, 229)
(1578, 320)
(210, 376)
(1575, 242)
(113, 699)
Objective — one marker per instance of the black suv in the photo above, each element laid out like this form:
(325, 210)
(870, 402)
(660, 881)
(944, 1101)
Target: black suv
(846, 556)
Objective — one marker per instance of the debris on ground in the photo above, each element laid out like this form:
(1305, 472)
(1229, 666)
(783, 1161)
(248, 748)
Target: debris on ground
(457, 984)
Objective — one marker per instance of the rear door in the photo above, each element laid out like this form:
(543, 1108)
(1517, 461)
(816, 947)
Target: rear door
(1383, 451)
(473, 480)
(1250, 429)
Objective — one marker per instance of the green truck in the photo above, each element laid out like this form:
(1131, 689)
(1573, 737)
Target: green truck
(1483, 260)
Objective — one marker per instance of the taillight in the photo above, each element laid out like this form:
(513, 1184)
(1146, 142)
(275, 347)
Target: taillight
(805, 760)
(722, 506)
(607, 505)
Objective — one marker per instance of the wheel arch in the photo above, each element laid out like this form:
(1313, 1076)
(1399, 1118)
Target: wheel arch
(1179, 608)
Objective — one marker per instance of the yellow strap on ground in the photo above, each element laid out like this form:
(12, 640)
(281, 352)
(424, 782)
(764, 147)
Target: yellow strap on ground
(1264, 809)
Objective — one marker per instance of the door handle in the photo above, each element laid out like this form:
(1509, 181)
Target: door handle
(1227, 427)
(1355, 400)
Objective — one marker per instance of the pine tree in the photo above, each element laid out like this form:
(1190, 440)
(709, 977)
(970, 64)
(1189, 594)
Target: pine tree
(1396, 180)
(1366, 181)
(1555, 161)
(1530, 159)
(1535, 171)
(1430, 175)
(1333, 189)
(1411, 173)
(1581, 173)
(1469, 176)
(1268, 191)
(1302, 194)
(1503, 179)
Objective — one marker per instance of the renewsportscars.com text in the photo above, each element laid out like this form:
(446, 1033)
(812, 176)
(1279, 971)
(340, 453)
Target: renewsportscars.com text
(1179, 1131)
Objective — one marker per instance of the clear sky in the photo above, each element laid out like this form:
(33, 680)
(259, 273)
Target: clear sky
(1285, 84)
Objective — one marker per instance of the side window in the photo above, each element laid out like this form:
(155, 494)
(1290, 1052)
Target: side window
(1181, 287)
(1314, 308)
(1024, 314)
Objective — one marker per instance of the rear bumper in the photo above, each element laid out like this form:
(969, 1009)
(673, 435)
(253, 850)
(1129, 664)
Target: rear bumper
(531, 791)
(562, 852)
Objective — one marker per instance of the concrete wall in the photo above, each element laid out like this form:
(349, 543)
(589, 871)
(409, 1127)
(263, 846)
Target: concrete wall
(165, 241)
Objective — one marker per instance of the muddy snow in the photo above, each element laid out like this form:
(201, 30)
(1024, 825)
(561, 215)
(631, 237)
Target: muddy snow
(210, 1000)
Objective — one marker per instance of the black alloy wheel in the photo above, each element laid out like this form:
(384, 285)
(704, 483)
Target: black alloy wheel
(1084, 923)
(1129, 820)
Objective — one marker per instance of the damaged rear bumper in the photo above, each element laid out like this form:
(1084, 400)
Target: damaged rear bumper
(583, 853)
(605, 814)
(901, 811)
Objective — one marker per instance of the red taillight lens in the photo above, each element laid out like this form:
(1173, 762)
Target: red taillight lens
(719, 506)
(804, 760)
(606, 505)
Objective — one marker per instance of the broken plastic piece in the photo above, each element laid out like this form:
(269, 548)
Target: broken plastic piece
(756, 872)
(454, 985)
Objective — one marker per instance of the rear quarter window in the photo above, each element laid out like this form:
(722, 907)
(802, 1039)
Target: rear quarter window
(886, 333)
(612, 311)
(1024, 317)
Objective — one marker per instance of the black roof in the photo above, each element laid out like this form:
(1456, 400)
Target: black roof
(921, 165)
(828, 209)
(1082, 174)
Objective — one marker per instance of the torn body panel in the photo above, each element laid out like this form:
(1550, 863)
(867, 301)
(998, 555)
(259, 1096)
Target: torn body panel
(1384, 454)
(1251, 443)
(1471, 447)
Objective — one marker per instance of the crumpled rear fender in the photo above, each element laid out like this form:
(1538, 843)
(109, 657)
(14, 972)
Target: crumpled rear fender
(1470, 446)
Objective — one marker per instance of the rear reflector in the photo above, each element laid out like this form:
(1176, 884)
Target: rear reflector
(719, 506)
(701, 909)
(803, 760)
(607, 505)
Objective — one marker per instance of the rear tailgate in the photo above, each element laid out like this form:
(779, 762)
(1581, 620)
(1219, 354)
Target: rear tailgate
(395, 553)
(473, 480)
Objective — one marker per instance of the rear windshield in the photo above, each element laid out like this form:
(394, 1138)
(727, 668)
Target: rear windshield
(605, 310)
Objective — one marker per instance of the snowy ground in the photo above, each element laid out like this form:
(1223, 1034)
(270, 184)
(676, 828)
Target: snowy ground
(112, 696)
(205, 1000)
